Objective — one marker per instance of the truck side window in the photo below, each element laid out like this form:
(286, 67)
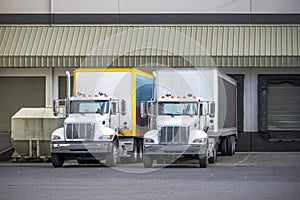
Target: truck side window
(201, 109)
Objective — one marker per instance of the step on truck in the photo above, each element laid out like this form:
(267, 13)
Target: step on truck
(192, 116)
(102, 121)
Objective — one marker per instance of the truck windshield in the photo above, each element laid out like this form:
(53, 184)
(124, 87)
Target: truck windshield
(91, 106)
(178, 108)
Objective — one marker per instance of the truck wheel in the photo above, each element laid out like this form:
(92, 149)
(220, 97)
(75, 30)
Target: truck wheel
(112, 157)
(203, 162)
(57, 160)
(214, 158)
(223, 146)
(140, 152)
(147, 161)
(81, 162)
(231, 145)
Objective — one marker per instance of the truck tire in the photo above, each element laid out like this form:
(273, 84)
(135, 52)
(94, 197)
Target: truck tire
(57, 160)
(112, 157)
(81, 162)
(140, 152)
(223, 146)
(203, 162)
(231, 145)
(213, 158)
(147, 161)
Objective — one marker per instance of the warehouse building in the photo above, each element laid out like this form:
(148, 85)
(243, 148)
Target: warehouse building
(255, 43)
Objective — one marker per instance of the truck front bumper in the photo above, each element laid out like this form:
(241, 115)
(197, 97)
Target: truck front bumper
(84, 147)
(176, 150)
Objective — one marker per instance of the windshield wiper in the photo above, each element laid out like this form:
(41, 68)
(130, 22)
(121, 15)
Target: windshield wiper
(191, 115)
(100, 112)
(79, 113)
(170, 114)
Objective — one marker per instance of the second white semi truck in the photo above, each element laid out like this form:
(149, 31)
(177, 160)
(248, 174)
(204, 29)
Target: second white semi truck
(102, 117)
(193, 114)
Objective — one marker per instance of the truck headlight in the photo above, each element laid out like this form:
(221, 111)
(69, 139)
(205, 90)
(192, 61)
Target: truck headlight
(106, 137)
(55, 137)
(200, 140)
(148, 140)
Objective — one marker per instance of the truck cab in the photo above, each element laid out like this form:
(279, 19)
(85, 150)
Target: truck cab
(179, 130)
(88, 134)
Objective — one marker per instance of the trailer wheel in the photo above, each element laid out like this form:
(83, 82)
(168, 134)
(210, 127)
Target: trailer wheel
(112, 157)
(223, 146)
(203, 162)
(231, 145)
(147, 161)
(57, 160)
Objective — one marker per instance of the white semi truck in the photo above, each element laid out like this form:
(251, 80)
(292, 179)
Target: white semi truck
(102, 117)
(192, 115)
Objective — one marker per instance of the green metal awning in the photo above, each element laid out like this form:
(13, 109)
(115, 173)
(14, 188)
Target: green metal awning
(149, 45)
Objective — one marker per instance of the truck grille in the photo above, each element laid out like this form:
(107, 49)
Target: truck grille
(84, 131)
(174, 134)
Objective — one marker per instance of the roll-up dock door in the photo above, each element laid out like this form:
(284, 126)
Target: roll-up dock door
(283, 106)
(19, 92)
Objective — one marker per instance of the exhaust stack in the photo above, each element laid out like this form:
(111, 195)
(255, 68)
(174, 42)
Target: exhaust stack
(68, 93)
(68, 85)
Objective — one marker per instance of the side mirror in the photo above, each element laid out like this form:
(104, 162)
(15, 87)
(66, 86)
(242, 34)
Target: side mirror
(143, 109)
(113, 108)
(151, 108)
(211, 106)
(123, 107)
(55, 107)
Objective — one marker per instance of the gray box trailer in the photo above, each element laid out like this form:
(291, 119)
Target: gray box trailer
(217, 94)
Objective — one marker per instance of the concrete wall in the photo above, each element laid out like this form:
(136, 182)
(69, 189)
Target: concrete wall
(146, 6)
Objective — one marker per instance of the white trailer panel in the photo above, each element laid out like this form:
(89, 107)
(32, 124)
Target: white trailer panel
(210, 85)
(116, 84)
(181, 82)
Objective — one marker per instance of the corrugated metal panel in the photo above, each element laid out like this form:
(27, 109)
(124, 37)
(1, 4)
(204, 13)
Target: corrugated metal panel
(146, 45)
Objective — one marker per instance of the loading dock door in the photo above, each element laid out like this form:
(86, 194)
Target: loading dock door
(19, 92)
(283, 106)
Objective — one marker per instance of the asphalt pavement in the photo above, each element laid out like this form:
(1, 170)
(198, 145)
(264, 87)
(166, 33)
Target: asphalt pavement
(244, 176)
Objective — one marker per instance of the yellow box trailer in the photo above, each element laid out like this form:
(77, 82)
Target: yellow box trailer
(102, 117)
